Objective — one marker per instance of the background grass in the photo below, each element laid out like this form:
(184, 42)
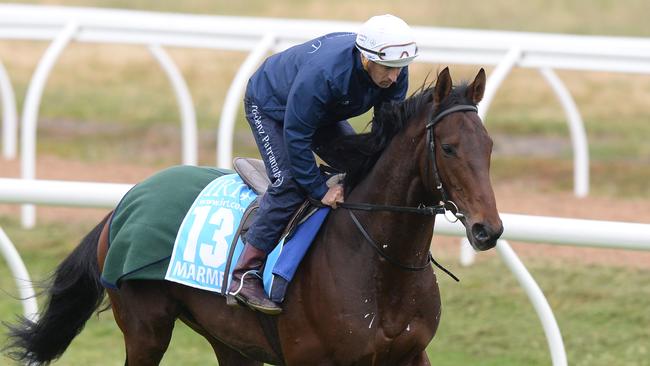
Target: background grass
(113, 103)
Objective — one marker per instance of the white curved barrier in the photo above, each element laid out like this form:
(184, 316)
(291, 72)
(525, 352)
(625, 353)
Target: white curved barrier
(9, 116)
(62, 193)
(189, 134)
(565, 231)
(537, 298)
(21, 276)
(577, 132)
(527, 228)
(30, 111)
(496, 78)
(233, 100)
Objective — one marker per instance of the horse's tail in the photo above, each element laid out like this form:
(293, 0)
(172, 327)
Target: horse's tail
(74, 293)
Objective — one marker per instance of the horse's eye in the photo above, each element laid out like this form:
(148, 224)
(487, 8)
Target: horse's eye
(448, 149)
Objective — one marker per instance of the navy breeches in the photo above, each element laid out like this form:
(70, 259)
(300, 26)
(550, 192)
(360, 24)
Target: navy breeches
(284, 195)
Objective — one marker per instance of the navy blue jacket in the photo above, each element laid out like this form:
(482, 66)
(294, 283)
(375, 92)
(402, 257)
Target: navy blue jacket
(311, 85)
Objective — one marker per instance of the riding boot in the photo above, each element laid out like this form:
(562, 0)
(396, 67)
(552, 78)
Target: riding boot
(247, 287)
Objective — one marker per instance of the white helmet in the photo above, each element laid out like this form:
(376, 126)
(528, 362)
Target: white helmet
(387, 40)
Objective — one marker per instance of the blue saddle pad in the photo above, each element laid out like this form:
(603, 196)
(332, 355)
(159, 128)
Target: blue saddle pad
(200, 255)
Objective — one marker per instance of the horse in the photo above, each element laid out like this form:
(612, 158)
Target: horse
(365, 293)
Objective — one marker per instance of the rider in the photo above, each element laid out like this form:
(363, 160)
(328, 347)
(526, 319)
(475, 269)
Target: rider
(299, 99)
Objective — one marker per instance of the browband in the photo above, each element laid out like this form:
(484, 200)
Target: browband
(457, 108)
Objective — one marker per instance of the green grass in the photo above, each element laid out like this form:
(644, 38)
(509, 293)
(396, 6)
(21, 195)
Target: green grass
(486, 318)
(488, 321)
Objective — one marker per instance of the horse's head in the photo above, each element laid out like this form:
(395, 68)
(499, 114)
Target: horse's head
(461, 152)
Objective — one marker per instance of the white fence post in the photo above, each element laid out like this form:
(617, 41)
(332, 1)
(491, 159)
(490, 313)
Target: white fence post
(497, 76)
(9, 116)
(30, 112)
(233, 100)
(184, 99)
(21, 276)
(576, 130)
(537, 298)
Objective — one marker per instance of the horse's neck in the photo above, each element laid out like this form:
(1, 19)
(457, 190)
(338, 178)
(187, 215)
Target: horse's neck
(396, 180)
(348, 275)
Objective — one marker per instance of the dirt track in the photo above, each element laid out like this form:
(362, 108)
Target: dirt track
(516, 197)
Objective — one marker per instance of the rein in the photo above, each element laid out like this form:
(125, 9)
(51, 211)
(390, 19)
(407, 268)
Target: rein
(393, 261)
(422, 210)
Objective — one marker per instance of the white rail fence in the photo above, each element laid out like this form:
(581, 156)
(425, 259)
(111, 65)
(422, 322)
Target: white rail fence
(604, 234)
(21, 276)
(505, 50)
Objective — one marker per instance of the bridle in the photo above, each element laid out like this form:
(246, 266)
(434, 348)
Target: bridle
(445, 204)
(444, 200)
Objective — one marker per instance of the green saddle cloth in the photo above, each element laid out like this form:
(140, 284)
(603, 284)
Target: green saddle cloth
(146, 221)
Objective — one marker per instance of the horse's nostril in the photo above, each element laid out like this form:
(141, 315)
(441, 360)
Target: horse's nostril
(480, 233)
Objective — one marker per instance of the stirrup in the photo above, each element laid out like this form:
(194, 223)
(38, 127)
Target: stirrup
(241, 281)
(231, 296)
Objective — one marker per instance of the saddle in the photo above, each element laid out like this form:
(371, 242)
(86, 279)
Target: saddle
(253, 173)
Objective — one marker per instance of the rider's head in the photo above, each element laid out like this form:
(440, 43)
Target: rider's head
(386, 44)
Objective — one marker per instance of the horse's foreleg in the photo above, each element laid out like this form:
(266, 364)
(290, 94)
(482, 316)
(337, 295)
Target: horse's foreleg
(420, 360)
(146, 314)
(229, 357)
(226, 355)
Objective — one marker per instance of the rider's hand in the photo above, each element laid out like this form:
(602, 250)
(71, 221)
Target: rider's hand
(333, 196)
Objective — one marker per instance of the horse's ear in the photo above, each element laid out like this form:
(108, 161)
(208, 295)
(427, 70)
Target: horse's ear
(477, 87)
(443, 86)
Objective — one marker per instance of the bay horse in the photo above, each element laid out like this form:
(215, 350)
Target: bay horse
(365, 293)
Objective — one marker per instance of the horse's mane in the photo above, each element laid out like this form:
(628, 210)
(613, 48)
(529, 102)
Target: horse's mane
(357, 154)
